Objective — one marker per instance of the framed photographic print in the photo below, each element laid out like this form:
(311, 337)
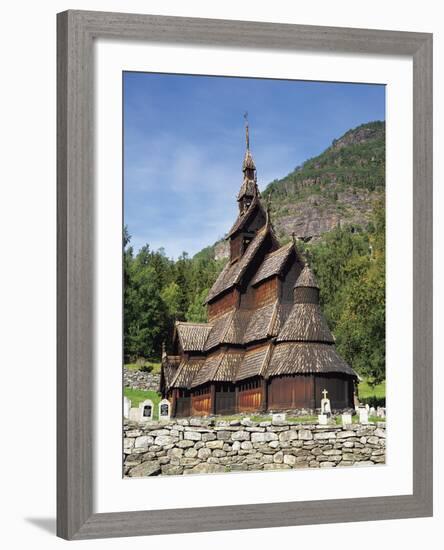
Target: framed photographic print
(245, 275)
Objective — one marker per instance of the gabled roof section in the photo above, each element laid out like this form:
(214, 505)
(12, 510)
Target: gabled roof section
(170, 364)
(261, 323)
(192, 336)
(218, 367)
(219, 330)
(306, 279)
(273, 263)
(254, 362)
(306, 358)
(306, 323)
(232, 273)
(186, 372)
(242, 219)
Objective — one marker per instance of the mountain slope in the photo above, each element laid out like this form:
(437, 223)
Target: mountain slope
(337, 187)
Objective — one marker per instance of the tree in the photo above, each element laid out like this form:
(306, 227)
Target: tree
(197, 310)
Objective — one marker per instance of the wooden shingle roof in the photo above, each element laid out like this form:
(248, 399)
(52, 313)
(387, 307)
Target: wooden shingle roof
(273, 263)
(305, 323)
(192, 336)
(170, 364)
(220, 331)
(242, 218)
(306, 278)
(232, 273)
(260, 323)
(254, 362)
(306, 358)
(186, 372)
(218, 367)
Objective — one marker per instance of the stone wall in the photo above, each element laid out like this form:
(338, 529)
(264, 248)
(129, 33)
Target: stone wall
(207, 446)
(141, 380)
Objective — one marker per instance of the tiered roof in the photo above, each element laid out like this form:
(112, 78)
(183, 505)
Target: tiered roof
(192, 336)
(279, 338)
(232, 273)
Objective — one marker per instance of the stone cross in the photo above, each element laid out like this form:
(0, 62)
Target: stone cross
(325, 404)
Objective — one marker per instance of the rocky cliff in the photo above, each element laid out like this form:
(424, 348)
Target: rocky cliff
(337, 187)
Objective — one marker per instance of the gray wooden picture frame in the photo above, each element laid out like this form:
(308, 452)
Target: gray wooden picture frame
(76, 32)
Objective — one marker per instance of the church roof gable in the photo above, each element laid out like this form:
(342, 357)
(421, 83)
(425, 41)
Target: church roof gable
(273, 263)
(306, 358)
(232, 273)
(192, 336)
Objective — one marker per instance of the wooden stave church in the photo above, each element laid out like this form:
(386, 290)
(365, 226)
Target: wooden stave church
(266, 346)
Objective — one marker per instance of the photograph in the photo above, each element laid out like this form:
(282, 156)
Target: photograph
(254, 274)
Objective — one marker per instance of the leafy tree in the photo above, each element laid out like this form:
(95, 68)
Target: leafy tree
(197, 311)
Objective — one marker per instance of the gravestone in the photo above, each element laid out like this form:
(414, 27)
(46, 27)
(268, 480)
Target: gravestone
(322, 419)
(372, 411)
(278, 418)
(380, 412)
(363, 415)
(346, 419)
(325, 404)
(146, 409)
(126, 407)
(134, 414)
(164, 410)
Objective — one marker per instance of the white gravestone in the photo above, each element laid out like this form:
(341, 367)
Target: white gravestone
(278, 418)
(346, 419)
(380, 412)
(146, 410)
(325, 404)
(134, 414)
(372, 411)
(322, 419)
(126, 407)
(363, 415)
(164, 410)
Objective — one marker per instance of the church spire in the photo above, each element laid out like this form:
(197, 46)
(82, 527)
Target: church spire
(248, 190)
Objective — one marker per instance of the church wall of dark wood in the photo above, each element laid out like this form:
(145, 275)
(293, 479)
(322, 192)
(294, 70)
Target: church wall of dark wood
(236, 248)
(249, 395)
(223, 304)
(267, 292)
(290, 278)
(225, 398)
(291, 392)
(340, 390)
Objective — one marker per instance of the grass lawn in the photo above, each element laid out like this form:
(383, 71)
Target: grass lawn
(137, 396)
(367, 392)
(135, 366)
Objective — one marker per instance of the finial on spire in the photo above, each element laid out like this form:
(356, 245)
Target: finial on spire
(247, 132)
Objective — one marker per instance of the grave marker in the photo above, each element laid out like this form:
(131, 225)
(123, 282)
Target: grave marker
(126, 407)
(164, 410)
(325, 404)
(146, 409)
(363, 415)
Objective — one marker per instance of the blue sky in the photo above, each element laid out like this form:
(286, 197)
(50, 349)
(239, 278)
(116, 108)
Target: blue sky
(184, 142)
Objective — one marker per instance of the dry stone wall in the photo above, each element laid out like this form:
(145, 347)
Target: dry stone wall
(140, 380)
(190, 446)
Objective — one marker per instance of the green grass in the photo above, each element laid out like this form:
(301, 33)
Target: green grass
(136, 366)
(372, 395)
(137, 396)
